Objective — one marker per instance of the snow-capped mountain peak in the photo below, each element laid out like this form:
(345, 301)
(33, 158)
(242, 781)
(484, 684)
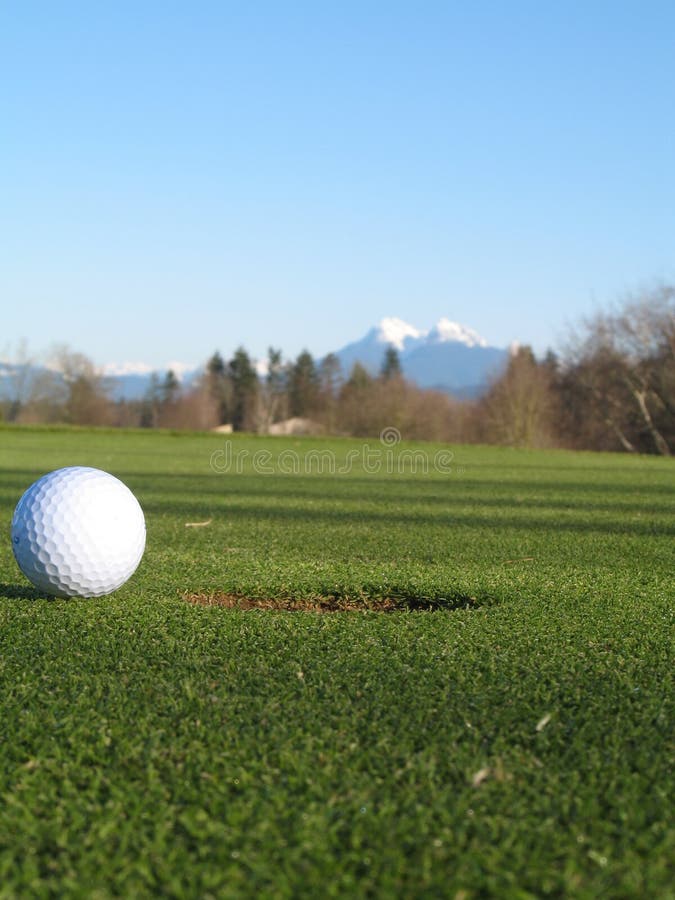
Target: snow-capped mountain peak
(449, 357)
(445, 331)
(395, 331)
(123, 369)
(181, 370)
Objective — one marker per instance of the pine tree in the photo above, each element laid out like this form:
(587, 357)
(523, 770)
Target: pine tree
(219, 387)
(170, 388)
(391, 364)
(244, 379)
(303, 385)
(330, 373)
(359, 378)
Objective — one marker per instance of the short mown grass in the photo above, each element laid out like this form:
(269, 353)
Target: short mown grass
(488, 713)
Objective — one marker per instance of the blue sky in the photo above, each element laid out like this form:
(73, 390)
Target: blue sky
(176, 177)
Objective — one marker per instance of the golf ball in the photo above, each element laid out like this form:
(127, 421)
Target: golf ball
(78, 532)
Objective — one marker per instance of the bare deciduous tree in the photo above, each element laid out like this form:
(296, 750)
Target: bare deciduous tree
(86, 399)
(273, 396)
(621, 369)
(517, 410)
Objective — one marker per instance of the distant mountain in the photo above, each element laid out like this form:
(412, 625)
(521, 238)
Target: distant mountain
(448, 357)
(128, 381)
(370, 350)
(130, 386)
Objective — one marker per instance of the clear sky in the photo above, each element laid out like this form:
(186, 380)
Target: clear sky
(177, 177)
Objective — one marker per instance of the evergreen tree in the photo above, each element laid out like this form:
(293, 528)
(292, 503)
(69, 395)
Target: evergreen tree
(391, 364)
(276, 380)
(151, 403)
(303, 385)
(330, 372)
(244, 380)
(170, 388)
(359, 378)
(219, 387)
(215, 367)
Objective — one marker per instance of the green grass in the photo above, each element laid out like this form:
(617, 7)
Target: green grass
(152, 747)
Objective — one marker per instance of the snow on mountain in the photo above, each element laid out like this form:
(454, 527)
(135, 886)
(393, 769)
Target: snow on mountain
(130, 380)
(182, 371)
(115, 369)
(121, 370)
(449, 356)
(394, 331)
(444, 330)
(369, 351)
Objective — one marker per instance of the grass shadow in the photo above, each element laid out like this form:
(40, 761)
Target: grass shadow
(474, 517)
(22, 592)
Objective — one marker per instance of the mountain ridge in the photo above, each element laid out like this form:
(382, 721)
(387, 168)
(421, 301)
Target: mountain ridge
(448, 356)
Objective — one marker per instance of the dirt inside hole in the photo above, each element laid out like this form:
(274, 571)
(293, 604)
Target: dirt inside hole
(329, 604)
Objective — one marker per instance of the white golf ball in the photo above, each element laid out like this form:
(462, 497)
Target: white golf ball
(78, 532)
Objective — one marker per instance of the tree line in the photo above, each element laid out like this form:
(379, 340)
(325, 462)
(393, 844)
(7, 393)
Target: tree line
(610, 387)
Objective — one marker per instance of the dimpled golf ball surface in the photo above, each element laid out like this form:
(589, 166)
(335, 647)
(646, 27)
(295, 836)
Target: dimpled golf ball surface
(78, 532)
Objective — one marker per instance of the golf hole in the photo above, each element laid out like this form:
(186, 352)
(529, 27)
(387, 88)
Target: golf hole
(332, 604)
